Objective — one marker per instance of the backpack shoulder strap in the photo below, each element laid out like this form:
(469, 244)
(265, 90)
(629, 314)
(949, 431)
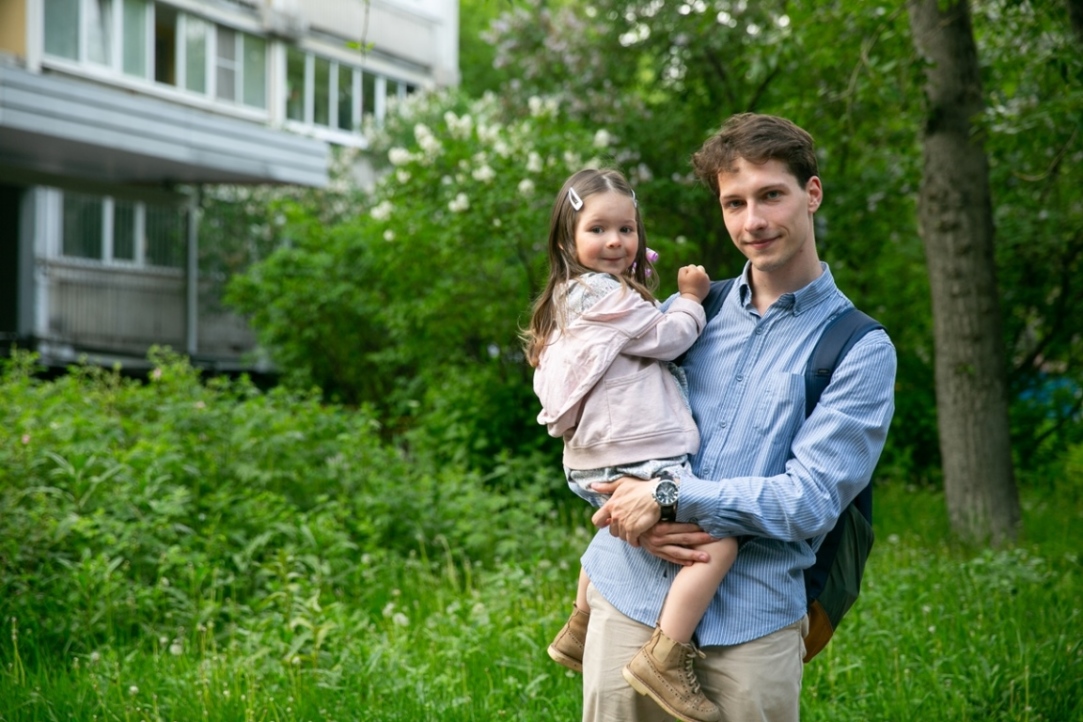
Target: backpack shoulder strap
(835, 342)
(715, 297)
(711, 305)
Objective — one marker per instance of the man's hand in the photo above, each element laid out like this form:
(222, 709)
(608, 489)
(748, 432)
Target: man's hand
(693, 282)
(630, 511)
(672, 542)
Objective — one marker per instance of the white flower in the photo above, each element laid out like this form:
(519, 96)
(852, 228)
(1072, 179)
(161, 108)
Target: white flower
(402, 176)
(602, 139)
(401, 619)
(488, 134)
(399, 156)
(176, 649)
(526, 187)
(502, 149)
(427, 140)
(389, 235)
(536, 106)
(484, 174)
(460, 204)
(381, 211)
(459, 127)
(133, 690)
(534, 162)
(572, 160)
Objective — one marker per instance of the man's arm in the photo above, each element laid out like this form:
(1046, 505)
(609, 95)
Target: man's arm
(833, 456)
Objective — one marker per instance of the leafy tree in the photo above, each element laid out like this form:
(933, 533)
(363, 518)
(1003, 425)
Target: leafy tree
(956, 216)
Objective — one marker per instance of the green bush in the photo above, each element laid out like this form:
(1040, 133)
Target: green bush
(136, 511)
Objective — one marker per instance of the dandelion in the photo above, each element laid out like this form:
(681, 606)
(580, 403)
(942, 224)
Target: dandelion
(133, 690)
(460, 204)
(602, 138)
(176, 649)
(94, 657)
(381, 211)
(400, 619)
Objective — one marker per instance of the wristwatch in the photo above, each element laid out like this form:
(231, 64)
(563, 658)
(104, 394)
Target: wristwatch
(665, 493)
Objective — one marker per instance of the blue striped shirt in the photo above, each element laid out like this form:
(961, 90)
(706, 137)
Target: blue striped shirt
(762, 468)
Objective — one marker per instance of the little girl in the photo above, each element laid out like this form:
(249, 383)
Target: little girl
(601, 347)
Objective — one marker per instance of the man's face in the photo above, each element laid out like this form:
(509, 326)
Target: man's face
(769, 217)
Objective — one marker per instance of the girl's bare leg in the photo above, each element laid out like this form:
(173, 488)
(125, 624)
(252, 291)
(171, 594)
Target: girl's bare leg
(581, 602)
(692, 590)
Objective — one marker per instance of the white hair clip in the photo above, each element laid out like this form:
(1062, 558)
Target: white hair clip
(574, 199)
(634, 201)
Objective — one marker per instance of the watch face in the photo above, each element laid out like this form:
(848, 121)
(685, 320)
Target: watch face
(665, 493)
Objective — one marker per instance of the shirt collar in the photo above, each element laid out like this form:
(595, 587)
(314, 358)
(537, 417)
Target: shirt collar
(798, 301)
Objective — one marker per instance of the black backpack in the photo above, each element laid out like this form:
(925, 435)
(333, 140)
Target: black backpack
(833, 582)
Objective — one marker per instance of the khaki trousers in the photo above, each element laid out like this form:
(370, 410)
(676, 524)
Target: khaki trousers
(757, 680)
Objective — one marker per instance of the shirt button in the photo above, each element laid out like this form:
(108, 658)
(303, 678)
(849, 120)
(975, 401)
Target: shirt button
(722, 424)
(740, 377)
(759, 330)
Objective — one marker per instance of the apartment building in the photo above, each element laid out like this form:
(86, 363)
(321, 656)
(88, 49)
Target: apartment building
(113, 113)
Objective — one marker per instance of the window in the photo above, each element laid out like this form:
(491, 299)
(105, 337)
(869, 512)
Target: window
(135, 38)
(161, 43)
(241, 68)
(165, 237)
(99, 28)
(255, 71)
(62, 28)
(295, 84)
(346, 93)
(195, 54)
(120, 231)
(327, 93)
(83, 227)
(124, 220)
(165, 44)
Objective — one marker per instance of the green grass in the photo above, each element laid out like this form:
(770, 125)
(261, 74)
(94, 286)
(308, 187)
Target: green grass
(190, 551)
(939, 633)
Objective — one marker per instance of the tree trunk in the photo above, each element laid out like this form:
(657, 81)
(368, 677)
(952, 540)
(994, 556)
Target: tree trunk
(955, 219)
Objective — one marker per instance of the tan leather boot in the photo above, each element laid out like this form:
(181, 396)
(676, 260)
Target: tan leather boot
(567, 648)
(662, 669)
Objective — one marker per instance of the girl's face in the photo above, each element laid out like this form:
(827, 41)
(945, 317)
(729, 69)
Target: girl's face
(606, 237)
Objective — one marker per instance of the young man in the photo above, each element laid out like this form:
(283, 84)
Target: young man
(763, 471)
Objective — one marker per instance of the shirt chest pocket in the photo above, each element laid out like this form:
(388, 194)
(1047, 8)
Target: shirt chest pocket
(780, 408)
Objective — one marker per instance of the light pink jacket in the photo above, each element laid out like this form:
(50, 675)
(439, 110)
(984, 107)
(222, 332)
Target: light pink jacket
(603, 386)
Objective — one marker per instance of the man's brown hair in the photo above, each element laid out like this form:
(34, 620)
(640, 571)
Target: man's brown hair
(756, 138)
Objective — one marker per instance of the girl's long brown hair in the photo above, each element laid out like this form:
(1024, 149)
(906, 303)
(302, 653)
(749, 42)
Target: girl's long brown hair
(563, 264)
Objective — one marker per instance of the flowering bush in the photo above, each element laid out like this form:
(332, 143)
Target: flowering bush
(415, 301)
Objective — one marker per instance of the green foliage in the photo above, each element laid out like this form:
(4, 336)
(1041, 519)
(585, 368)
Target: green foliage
(414, 302)
(138, 513)
(429, 632)
(408, 294)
